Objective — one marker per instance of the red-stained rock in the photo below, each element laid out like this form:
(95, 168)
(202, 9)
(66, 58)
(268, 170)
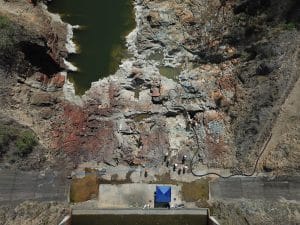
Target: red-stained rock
(227, 83)
(216, 149)
(40, 77)
(155, 92)
(153, 142)
(58, 80)
(50, 83)
(211, 115)
(83, 140)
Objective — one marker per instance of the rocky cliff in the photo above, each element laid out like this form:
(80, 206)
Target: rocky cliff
(207, 79)
(222, 70)
(205, 76)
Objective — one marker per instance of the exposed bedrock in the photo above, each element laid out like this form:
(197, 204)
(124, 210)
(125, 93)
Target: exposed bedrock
(205, 76)
(237, 66)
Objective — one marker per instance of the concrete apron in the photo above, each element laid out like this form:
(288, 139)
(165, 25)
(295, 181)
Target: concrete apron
(135, 195)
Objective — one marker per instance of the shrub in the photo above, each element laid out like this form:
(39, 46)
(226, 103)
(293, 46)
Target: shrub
(7, 37)
(6, 135)
(290, 26)
(4, 22)
(25, 143)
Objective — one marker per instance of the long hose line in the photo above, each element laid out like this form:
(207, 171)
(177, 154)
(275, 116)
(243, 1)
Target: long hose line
(185, 112)
(231, 175)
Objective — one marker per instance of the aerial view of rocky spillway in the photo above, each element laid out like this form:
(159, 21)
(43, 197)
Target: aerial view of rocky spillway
(149, 112)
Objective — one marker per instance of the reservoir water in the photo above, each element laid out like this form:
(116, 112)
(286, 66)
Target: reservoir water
(101, 38)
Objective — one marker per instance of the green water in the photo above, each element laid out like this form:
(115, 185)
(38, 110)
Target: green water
(169, 72)
(101, 39)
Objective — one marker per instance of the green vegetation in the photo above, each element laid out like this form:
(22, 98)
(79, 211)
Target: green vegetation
(140, 117)
(170, 72)
(7, 37)
(6, 135)
(4, 22)
(118, 53)
(25, 143)
(290, 26)
(16, 142)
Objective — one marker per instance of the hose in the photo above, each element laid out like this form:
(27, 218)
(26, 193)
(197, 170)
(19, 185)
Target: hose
(231, 175)
(217, 174)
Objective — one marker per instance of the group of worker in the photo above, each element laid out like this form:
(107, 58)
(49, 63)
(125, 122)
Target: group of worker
(182, 168)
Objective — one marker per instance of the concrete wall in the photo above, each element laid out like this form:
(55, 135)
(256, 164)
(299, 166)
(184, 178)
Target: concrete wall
(212, 221)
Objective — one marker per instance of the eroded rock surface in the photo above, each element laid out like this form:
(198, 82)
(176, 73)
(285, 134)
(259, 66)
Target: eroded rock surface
(206, 77)
(235, 69)
(222, 70)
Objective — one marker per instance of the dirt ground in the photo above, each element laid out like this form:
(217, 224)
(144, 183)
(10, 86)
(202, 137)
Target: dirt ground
(285, 141)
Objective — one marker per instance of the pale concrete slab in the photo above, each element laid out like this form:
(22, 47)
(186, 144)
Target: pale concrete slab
(19, 186)
(256, 188)
(133, 195)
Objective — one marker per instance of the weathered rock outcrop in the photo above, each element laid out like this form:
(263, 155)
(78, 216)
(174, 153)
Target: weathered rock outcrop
(232, 82)
(206, 80)
(205, 76)
(32, 47)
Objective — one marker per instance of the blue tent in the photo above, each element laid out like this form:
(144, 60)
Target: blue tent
(163, 194)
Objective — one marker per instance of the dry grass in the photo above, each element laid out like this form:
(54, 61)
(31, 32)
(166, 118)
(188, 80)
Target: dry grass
(195, 191)
(85, 188)
(164, 179)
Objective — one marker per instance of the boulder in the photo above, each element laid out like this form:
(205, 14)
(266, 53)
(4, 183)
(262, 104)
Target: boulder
(42, 99)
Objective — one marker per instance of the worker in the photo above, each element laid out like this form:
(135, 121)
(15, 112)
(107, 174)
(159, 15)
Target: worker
(168, 162)
(184, 170)
(179, 171)
(175, 167)
(166, 156)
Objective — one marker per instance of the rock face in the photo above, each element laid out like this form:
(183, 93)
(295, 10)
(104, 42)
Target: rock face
(32, 47)
(206, 77)
(232, 82)
(36, 51)
(205, 83)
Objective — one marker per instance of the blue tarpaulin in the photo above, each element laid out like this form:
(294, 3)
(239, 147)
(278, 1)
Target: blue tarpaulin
(163, 194)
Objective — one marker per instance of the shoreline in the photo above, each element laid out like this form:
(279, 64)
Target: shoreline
(70, 45)
(72, 48)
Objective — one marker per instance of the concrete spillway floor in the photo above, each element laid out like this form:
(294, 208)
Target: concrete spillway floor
(135, 195)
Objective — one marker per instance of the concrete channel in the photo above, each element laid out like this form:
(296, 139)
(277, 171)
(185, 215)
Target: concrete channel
(142, 217)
